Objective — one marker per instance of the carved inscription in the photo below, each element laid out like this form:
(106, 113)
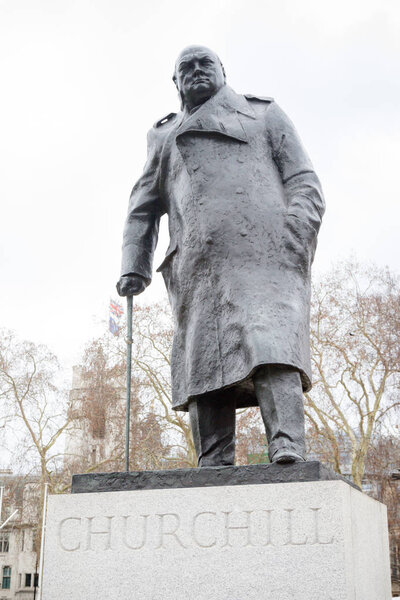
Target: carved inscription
(199, 527)
(142, 536)
(317, 529)
(228, 527)
(65, 531)
(291, 541)
(168, 525)
(204, 529)
(106, 534)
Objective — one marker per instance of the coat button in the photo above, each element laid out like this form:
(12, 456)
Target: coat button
(239, 190)
(195, 167)
(209, 240)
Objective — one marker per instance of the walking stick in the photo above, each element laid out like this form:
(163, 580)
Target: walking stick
(128, 376)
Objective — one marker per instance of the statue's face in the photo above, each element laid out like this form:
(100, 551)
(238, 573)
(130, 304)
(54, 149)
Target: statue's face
(198, 75)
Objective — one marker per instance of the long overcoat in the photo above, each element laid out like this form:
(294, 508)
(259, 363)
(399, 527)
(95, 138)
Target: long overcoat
(244, 208)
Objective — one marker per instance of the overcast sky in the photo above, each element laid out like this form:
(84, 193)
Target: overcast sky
(83, 81)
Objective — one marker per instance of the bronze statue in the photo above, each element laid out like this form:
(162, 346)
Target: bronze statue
(244, 207)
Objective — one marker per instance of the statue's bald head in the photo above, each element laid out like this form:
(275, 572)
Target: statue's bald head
(198, 75)
(194, 50)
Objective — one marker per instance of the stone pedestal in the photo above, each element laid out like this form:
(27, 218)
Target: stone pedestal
(310, 540)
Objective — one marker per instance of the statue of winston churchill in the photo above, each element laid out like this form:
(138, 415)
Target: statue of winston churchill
(244, 207)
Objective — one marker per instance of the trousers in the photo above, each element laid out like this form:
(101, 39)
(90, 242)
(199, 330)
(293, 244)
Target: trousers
(280, 398)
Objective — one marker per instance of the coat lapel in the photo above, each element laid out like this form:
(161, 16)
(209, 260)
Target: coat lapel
(219, 115)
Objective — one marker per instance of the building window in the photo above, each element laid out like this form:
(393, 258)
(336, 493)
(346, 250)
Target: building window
(4, 542)
(28, 579)
(33, 540)
(36, 580)
(6, 584)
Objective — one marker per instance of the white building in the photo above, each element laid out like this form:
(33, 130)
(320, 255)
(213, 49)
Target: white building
(18, 559)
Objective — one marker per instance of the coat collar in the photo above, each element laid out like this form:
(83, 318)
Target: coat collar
(219, 115)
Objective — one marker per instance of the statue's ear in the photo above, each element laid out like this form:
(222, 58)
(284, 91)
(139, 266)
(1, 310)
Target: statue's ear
(174, 79)
(223, 71)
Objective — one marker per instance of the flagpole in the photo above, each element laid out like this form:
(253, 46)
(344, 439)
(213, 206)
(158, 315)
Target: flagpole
(41, 560)
(128, 376)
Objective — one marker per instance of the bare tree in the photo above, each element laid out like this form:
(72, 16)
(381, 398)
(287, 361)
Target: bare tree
(251, 444)
(97, 442)
(160, 437)
(383, 473)
(355, 342)
(34, 410)
(34, 406)
(152, 335)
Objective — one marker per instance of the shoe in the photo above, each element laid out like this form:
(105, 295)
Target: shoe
(284, 456)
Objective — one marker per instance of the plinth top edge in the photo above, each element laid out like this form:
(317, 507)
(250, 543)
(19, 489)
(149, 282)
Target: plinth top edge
(205, 477)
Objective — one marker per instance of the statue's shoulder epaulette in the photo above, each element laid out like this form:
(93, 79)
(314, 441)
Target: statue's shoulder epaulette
(167, 119)
(262, 98)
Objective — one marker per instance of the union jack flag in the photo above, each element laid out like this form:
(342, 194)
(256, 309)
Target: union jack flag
(113, 327)
(116, 309)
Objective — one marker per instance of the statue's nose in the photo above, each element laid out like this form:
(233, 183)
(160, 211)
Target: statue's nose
(197, 70)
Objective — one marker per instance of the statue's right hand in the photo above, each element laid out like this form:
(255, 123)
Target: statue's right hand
(131, 285)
